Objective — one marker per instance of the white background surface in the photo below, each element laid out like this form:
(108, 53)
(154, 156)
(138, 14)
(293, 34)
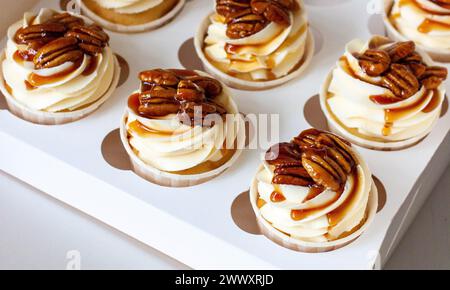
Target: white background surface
(36, 232)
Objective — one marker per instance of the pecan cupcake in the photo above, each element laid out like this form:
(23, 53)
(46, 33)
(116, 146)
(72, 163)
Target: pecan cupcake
(313, 194)
(255, 44)
(182, 128)
(131, 16)
(383, 95)
(426, 22)
(57, 68)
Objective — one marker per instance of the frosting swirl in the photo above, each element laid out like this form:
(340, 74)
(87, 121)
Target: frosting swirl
(252, 47)
(427, 22)
(386, 102)
(52, 73)
(315, 188)
(167, 135)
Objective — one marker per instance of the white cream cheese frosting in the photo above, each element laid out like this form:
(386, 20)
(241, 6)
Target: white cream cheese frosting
(349, 100)
(423, 21)
(169, 145)
(270, 53)
(71, 92)
(129, 6)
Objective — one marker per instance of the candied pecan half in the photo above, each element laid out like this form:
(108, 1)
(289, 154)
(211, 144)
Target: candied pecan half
(158, 107)
(92, 38)
(158, 92)
(212, 87)
(274, 10)
(42, 32)
(246, 24)
(188, 91)
(433, 77)
(284, 154)
(229, 8)
(66, 19)
(400, 50)
(374, 62)
(159, 77)
(401, 81)
(321, 171)
(58, 52)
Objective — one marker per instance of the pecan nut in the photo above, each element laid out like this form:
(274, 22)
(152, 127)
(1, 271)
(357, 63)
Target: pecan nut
(159, 77)
(274, 10)
(188, 91)
(57, 52)
(92, 39)
(320, 172)
(230, 8)
(433, 77)
(401, 81)
(400, 50)
(67, 20)
(374, 62)
(42, 32)
(212, 87)
(246, 25)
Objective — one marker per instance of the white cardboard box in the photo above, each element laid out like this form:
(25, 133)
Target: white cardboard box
(203, 226)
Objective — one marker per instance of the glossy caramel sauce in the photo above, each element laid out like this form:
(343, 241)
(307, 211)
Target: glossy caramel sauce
(260, 203)
(38, 80)
(337, 215)
(92, 66)
(22, 56)
(276, 197)
(429, 25)
(314, 191)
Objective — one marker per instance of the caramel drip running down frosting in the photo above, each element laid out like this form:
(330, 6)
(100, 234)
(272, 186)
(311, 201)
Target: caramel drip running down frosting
(181, 92)
(403, 72)
(315, 159)
(247, 17)
(61, 39)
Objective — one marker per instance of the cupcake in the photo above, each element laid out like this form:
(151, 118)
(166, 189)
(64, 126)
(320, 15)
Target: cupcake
(182, 128)
(130, 16)
(255, 44)
(313, 194)
(426, 22)
(383, 95)
(57, 68)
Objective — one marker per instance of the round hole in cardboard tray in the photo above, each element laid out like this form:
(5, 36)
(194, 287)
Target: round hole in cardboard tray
(243, 215)
(314, 115)
(113, 151)
(124, 70)
(188, 56)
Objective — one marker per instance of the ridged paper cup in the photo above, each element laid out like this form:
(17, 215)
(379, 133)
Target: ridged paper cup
(131, 28)
(308, 247)
(49, 118)
(394, 34)
(245, 84)
(168, 179)
(339, 129)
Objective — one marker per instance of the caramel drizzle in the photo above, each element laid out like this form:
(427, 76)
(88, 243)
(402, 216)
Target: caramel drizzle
(337, 215)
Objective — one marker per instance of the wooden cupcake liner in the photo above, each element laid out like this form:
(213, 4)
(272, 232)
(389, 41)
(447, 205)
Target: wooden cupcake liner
(244, 84)
(50, 118)
(167, 179)
(132, 28)
(309, 247)
(337, 128)
(394, 34)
